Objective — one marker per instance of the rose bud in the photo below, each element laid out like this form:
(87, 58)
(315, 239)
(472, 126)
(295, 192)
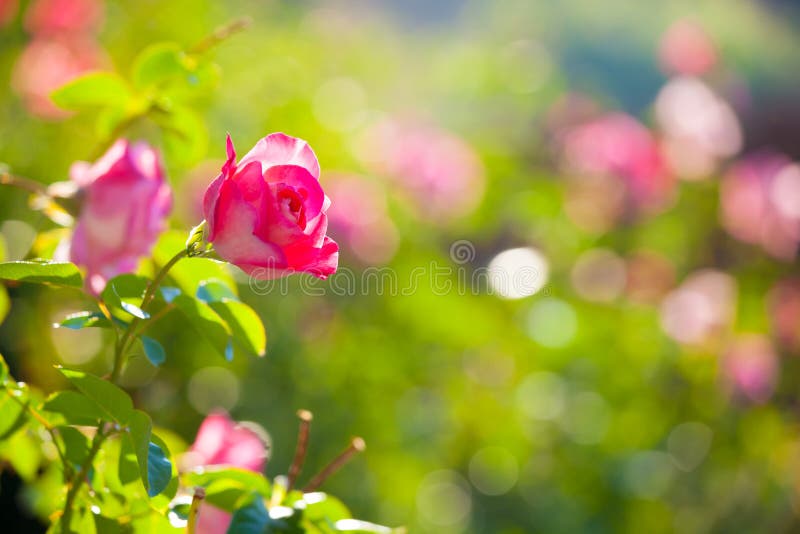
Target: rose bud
(124, 205)
(266, 214)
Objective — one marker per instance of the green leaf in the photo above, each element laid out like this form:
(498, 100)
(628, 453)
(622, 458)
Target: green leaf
(323, 507)
(185, 135)
(153, 350)
(226, 486)
(244, 323)
(84, 319)
(13, 415)
(214, 291)
(4, 374)
(159, 469)
(42, 272)
(76, 408)
(76, 445)
(125, 292)
(114, 402)
(356, 526)
(157, 64)
(250, 519)
(169, 293)
(5, 304)
(96, 89)
(205, 321)
(155, 469)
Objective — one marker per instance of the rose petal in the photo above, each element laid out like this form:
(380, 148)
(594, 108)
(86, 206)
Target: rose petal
(281, 149)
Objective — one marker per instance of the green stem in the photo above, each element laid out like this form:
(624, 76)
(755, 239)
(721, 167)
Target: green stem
(79, 477)
(119, 360)
(149, 294)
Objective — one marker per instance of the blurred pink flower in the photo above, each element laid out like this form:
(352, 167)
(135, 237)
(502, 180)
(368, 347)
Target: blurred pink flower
(221, 441)
(784, 311)
(359, 215)
(125, 203)
(751, 366)
(617, 145)
(63, 18)
(760, 203)
(267, 214)
(699, 127)
(45, 65)
(8, 10)
(686, 48)
(439, 172)
(701, 309)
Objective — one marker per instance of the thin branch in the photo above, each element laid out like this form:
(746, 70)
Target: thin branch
(194, 509)
(356, 445)
(301, 448)
(221, 34)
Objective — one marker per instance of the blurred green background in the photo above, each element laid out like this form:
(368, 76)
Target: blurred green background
(609, 400)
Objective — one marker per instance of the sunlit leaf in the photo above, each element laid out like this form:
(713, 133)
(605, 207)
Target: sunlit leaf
(244, 323)
(75, 408)
(158, 64)
(114, 402)
(225, 486)
(96, 89)
(76, 445)
(214, 291)
(205, 321)
(42, 272)
(84, 319)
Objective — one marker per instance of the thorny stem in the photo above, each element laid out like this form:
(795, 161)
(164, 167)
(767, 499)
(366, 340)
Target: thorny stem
(356, 445)
(301, 448)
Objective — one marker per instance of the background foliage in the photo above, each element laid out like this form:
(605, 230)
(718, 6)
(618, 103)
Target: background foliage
(551, 413)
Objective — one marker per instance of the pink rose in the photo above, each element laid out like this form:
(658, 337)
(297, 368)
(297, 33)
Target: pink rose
(63, 17)
(440, 174)
(266, 214)
(760, 203)
(616, 144)
(47, 64)
(221, 441)
(125, 202)
(751, 367)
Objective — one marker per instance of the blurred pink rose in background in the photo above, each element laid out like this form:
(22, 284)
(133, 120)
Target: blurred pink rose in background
(618, 146)
(267, 214)
(686, 48)
(440, 173)
(699, 127)
(47, 64)
(701, 309)
(52, 18)
(760, 203)
(359, 215)
(784, 311)
(125, 202)
(8, 10)
(751, 366)
(221, 441)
